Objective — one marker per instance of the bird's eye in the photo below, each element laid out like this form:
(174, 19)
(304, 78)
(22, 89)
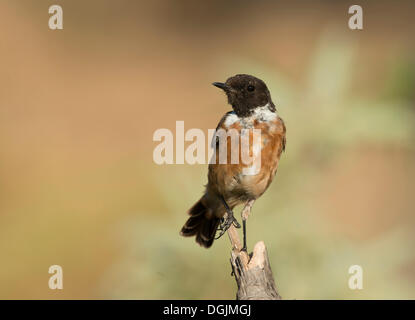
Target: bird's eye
(250, 88)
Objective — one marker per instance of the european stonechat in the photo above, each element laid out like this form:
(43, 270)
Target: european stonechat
(230, 183)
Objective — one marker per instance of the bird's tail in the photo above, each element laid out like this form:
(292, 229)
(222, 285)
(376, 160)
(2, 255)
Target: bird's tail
(202, 224)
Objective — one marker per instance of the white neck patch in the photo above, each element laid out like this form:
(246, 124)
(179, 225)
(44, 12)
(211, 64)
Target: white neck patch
(262, 114)
(231, 119)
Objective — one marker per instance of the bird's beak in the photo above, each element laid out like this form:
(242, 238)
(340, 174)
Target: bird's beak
(220, 85)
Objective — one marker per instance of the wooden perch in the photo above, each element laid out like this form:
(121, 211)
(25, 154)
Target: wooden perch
(253, 274)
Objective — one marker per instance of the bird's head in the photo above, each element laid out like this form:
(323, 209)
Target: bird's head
(245, 93)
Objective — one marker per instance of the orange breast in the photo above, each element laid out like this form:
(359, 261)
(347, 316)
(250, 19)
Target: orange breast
(257, 161)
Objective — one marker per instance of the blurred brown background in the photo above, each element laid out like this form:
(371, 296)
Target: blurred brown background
(79, 106)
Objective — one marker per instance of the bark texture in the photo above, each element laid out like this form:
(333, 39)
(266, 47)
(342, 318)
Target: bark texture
(253, 272)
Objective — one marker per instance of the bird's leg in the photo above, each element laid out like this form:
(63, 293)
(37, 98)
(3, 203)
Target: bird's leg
(227, 221)
(230, 217)
(245, 214)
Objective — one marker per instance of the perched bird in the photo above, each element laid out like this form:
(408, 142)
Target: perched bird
(231, 184)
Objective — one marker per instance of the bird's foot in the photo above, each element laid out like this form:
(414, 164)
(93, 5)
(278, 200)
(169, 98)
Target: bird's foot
(226, 223)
